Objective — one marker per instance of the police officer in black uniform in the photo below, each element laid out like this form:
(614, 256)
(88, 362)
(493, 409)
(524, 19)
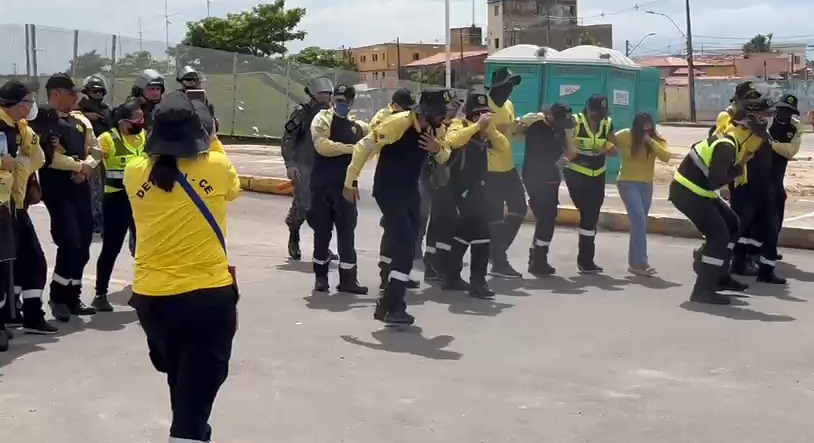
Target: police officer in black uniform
(334, 133)
(297, 148)
(148, 89)
(93, 104)
(548, 141)
(191, 78)
(468, 228)
(787, 136)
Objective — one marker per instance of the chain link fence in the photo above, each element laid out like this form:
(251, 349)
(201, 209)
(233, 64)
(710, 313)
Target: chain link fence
(252, 96)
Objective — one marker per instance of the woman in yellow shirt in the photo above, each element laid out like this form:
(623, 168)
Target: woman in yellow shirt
(639, 148)
(183, 291)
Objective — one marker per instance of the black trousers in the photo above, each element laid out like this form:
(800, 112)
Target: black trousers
(758, 224)
(401, 214)
(30, 268)
(468, 229)
(72, 230)
(329, 209)
(719, 225)
(780, 197)
(189, 337)
(588, 195)
(504, 188)
(443, 216)
(544, 202)
(118, 221)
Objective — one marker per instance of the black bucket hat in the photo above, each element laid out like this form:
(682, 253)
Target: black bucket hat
(745, 91)
(504, 76)
(476, 100)
(179, 127)
(788, 101)
(404, 98)
(562, 114)
(433, 102)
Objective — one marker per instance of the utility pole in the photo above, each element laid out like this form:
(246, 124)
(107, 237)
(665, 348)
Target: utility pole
(208, 8)
(167, 30)
(140, 36)
(627, 48)
(448, 48)
(398, 59)
(690, 64)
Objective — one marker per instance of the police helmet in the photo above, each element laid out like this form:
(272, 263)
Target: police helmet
(147, 78)
(190, 74)
(319, 84)
(94, 82)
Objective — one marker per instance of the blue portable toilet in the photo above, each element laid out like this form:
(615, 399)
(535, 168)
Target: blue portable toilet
(649, 91)
(577, 73)
(527, 62)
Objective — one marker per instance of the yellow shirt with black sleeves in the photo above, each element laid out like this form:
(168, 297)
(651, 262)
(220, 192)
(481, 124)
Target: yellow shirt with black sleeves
(177, 250)
(321, 134)
(499, 155)
(382, 114)
(388, 132)
(29, 159)
(108, 147)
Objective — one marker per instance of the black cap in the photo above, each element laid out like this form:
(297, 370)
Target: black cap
(756, 104)
(61, 80)
(404, 98)
(745, 90)
(504, 76)
(788, 101)
(433, 102)
(178, 127)
(597, 102)
(477, 100)
(562, 114)
(13, 92)
(345, 91)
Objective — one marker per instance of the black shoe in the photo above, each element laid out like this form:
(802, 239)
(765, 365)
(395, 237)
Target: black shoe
(589, 268)
(383, 285)
(482, 291)
(322, 285)
(542, 269)
(745, 268)
(294, 251)
(430, 273)
(39, 327)
(696, 259)
(768, 276)
(352, 287)
(332, 256)
(504, 270)
(380, 312)
(780, 256)
(78, 307)
(101, 304)
(413, 284)
(3, 341)
(455, 283)
(727, 283)
(17, 321)
(399, 318)
(60, 311)
(710, 298)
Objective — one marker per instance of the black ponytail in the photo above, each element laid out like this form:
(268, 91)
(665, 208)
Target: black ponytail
(164, 172)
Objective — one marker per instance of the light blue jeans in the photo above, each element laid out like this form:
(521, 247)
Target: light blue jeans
(637, 197)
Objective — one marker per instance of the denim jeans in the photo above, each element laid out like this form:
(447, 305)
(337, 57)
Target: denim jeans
(637, 197)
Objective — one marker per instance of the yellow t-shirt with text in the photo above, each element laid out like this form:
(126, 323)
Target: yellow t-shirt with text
(177, 251)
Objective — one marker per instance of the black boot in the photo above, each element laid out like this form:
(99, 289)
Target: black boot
(431, 267)
(321, 273)
(538, 262)
(59, 295)
(585, 257)
(727, 283)
(294, 251)
(453, 264)
(321, 284)
(349, 283)
(17, 321)
(696, 259)
(741, 265)
(332, 256)
(704, 289)
(478, 288)
(76, 305)
(34, 318)
(766, 274)
(381, 309)
(101, 304)
(384, 275)
(481, 290)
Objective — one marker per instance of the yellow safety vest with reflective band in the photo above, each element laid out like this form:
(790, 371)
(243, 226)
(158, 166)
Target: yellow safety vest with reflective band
(122, 154)
(589, 144)
(701, 156)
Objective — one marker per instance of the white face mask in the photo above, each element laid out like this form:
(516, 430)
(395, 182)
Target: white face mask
(32, 114)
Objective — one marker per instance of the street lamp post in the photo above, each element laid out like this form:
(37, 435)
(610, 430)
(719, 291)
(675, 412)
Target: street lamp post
(690, 64)
(449, 45)
(629, 49)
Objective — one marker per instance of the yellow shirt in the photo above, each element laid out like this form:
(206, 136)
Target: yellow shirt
(382, 114)
(500, 152)
(388, 132)
(93, 155)
(462, 130)
(176, 250)
(723, 120)
(641, 166)
(29, 159)
(321, 134)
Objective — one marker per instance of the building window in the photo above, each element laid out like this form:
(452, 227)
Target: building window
(416, 56)
(539, 9)
(384, 74)
(497, 10)
(384, 56)
(375, 76)
(572, 10)
(497, 43)
(797, 60)
(375, 57)
(362, 59)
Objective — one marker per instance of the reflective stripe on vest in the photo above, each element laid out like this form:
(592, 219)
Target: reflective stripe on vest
(122, 154)
(701, 156)
(589, 144)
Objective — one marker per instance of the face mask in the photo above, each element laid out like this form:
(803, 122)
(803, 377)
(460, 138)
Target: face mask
(135, 129)
(32, 114)
(342, 109)
(436, 122)
(500, 94)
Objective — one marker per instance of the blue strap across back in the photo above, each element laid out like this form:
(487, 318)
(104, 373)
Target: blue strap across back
(204, 210)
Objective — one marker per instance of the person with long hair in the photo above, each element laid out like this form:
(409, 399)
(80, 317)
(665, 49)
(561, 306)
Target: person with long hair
(639, 147)
(184, 290)
(120, 146)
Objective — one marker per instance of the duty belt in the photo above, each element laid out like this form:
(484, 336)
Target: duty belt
(114, 179)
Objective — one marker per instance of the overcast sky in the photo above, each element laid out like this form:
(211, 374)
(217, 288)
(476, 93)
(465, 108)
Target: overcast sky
(332, 23)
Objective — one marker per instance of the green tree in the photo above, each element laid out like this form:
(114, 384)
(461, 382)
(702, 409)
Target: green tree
(138, 61)
(327, 58)
(759, 43)
(261, 32)
(429, 77)
(587, 39)
(89, 63)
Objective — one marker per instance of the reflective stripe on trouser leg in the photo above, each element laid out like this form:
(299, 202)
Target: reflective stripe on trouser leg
(479, 260)
(765, 261)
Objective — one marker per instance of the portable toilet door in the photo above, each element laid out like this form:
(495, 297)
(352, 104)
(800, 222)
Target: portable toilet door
(649, 92)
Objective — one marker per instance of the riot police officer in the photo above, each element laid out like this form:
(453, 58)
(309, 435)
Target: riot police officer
(334, 134)
(191, 78)
(93, 105)
(148, 89)
(297, 148)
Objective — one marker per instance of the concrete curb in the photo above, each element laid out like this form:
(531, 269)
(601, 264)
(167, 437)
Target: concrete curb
(790, 237)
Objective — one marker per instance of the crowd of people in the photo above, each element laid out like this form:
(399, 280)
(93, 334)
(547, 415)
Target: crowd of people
(455, 158)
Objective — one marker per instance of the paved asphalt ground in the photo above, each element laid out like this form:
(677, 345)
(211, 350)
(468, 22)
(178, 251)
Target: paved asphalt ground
(570, 359)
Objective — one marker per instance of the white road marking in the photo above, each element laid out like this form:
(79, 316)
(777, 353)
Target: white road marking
(799, 217)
